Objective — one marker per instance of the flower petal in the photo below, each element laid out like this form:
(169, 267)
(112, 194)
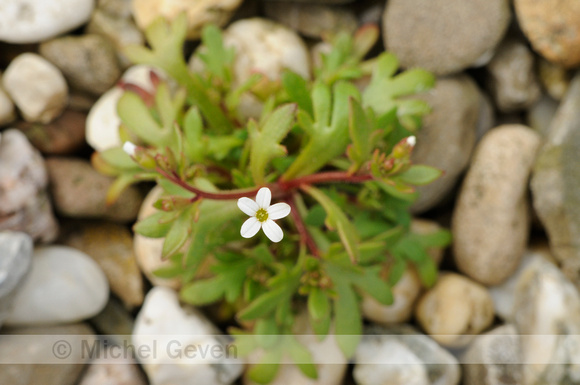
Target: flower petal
(279, 210)
(272, 230)
(264, 197)
(250, 227)
(248, 206)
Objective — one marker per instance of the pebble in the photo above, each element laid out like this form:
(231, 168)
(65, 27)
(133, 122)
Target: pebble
(24, 205)
(34, 350)
(487, 118)
(494, 358)
(554, 183)
(7, 111)
(15, 255)
(312, 20)
(102, 127)
(454, 310)
(79, 191)
(401, 355)
(164, 322)
(114, 321)
(199, 13)
(63, 136)
(511, 77)
(119, 29)
(64, 285)
(540, 115)
(113, 371)
(552, 28)
(32, 21)
(88, 62)
(148, 250)
(331, 364)
(490, 223)
(111, 246)
(447, 137)
(547, 316)
(41, 100)
(555, 79)
(444, 36)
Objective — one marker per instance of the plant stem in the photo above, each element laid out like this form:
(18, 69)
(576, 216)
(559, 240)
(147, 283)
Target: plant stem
(305, 237)
(324, 177)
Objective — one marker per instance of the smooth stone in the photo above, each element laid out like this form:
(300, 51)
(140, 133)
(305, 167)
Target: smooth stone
(120, 29)
(554, 183)
(447, 137)
(148, 250)
(401, 355)
(23, 202)
(35, 218)
(111, 246)
(102, 126)
(88, 62)
(511, 77)
(312, 20)
(547, 316)
(554, 78)
(503, 295)
(15, 255)
(64, 285)
(444, 36)
(539, 116)
(79, 191)
(63, 136)
(113, 370)
(7, 111)
(487, 119)
(552, 28)
(164, 322)
(455, 309)
(198, 12)
(41, 100)
(114, 320)
(490, 223)
(32, 21)
(494, 358)
(33, 349)
(330, 362)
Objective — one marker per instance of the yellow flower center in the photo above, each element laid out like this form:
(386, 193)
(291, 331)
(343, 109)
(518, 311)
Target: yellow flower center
(262, 215)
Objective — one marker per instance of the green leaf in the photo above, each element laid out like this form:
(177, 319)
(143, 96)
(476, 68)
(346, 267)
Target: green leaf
(265, 141)
(302, 357)
(419, 175)
(217, 58)
(194, 146)
(119, 159)
(156, 225)
(122, 182)
(347, 318)
(265, 304)
(297, 89)
(336, 219)
(178, 234)
(318, 304)
(136, 116)
(203, 292)
(266, 370)
(438, 238)
(371, 283)
(360, 130)
(266, 332)
(427, 270)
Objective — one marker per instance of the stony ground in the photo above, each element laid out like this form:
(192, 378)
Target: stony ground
(505, 128)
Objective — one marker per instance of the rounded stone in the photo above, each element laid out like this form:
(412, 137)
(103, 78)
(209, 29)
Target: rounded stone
(553, 28)
(64, 285)
(79, 191)
(198, 12)
(447, 137)
(32, 21)
(490, 223)
(554, 78)
(88, 62)
(454, 310)
(41, 100)
(444, 36)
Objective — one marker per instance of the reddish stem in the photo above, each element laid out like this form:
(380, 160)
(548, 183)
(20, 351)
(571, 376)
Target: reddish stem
(305, 237)
(324, 177)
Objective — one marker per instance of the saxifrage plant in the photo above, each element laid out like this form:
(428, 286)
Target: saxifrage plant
(337, 158)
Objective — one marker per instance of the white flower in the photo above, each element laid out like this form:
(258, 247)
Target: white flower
(129, 148)
(411, 140)
(262, 215)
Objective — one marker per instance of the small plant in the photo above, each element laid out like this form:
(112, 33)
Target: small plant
(338, 160)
